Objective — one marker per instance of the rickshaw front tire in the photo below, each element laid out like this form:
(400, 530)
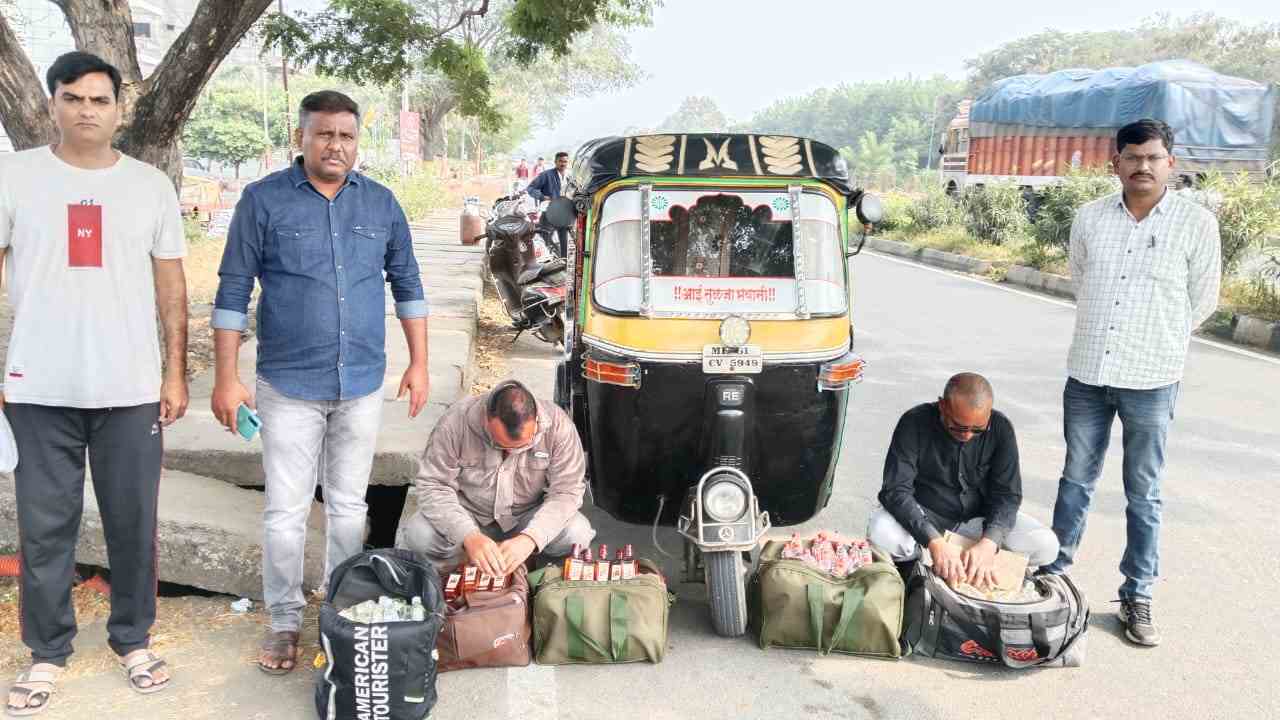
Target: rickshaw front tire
(726, 574)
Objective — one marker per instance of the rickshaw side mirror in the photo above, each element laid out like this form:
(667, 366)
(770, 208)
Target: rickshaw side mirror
(870, 209)
(560, 214)
(862, 240)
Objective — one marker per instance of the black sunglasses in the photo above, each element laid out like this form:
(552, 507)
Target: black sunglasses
(946, 420)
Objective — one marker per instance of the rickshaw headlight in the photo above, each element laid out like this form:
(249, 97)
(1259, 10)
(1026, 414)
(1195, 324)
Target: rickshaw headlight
(735, 331)
(724, 501)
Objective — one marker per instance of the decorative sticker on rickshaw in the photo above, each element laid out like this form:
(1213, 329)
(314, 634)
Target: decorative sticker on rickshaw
(661, 203)
(718, 295)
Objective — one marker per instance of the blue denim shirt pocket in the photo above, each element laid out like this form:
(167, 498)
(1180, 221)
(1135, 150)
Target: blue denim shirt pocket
(299, 249)
(370, 246)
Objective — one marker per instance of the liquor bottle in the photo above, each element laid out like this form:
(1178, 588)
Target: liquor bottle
(417, 612)
(628, 563)
(602, 564)
(864, 548)
(794, 548)
(453, 587)
(588, 566)
(470, 577)
(615, 568)
(573, 563)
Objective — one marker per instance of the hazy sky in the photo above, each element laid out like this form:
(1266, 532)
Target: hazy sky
(747, 53)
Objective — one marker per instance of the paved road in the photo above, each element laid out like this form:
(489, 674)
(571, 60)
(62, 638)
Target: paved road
(917, 326)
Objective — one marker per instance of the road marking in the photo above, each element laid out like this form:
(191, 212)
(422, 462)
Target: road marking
(531, 693)
(1060, 303)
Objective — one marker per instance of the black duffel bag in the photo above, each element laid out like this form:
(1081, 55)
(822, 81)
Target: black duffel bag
(1048, 632)
(379, 671)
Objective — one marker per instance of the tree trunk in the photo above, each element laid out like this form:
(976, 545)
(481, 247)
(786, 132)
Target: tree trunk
(24, 109)
(431, 128)
(155, 109)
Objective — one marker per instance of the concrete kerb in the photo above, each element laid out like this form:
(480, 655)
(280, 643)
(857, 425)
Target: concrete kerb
(929, 256)
(1245, 330)
(1256, 332)
(209, 535)
(893, 247)
(953, 261)
(1036, 280)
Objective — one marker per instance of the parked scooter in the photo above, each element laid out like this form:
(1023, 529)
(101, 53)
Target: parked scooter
(526, 271)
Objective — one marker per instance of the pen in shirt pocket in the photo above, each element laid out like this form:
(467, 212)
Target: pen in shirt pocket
(1153, 240)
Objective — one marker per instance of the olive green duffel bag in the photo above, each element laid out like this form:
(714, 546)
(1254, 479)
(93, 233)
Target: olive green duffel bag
(798, 606)
(583, 621)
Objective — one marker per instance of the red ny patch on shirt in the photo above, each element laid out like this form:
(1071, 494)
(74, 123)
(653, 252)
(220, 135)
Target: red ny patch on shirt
(84, 236)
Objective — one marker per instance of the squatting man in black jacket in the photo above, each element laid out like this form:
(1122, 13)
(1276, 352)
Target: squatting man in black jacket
(953, 465)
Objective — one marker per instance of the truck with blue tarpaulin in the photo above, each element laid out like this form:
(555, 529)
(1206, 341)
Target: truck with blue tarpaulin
(1032, 129)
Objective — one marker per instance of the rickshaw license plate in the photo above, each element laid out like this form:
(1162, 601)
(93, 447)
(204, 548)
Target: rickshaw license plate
(725, 359)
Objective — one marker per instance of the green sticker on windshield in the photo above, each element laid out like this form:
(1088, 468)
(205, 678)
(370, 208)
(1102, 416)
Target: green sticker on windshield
(781, 204)
(659, 202)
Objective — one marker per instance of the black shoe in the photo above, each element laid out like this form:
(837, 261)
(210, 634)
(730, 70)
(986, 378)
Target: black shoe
(1135, 615)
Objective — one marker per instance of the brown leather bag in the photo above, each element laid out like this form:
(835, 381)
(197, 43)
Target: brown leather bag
(491, 629)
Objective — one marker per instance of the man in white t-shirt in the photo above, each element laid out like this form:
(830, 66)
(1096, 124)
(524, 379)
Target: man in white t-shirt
(93, 243)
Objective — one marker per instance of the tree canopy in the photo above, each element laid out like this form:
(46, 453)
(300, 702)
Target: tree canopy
(454, 44)
(366, 40)
(894, 118)
(696, 114)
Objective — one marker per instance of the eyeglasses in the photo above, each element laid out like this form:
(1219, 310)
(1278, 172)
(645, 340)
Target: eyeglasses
(959, 429)
(1140, 159)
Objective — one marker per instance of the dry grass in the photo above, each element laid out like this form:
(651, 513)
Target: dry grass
(493, 338)
(204, 254)
(957, 240)
(1253, 297)
(183, 625)
(201, 267)
(488, 188)
(90, 606)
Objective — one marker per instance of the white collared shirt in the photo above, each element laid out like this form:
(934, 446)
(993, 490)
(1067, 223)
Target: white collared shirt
(1141, 289)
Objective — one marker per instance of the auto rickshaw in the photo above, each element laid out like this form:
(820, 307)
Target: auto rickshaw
(708, 349)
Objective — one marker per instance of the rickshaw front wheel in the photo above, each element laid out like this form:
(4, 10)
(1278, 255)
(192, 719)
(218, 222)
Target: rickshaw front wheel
(726, 573)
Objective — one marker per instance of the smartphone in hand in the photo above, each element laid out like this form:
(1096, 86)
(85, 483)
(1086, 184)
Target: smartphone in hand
(247, 422)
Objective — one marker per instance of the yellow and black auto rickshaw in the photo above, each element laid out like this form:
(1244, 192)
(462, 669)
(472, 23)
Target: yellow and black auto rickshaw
(708, 353)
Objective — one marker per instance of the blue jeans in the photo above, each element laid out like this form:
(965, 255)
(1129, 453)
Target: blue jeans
(1145, 415)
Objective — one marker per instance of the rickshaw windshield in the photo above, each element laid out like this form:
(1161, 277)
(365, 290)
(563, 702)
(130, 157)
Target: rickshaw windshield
(720, 252)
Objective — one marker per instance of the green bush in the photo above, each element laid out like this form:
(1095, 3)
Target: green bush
(936, 209)
(1248, 214)
(996, 213)
(897, 216)
(1059, 202)
(418, 194)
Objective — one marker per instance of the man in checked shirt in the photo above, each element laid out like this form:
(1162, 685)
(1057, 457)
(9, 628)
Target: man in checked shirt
(1146, 264)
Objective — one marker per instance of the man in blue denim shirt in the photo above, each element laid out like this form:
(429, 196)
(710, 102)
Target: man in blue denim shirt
(318, 238)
